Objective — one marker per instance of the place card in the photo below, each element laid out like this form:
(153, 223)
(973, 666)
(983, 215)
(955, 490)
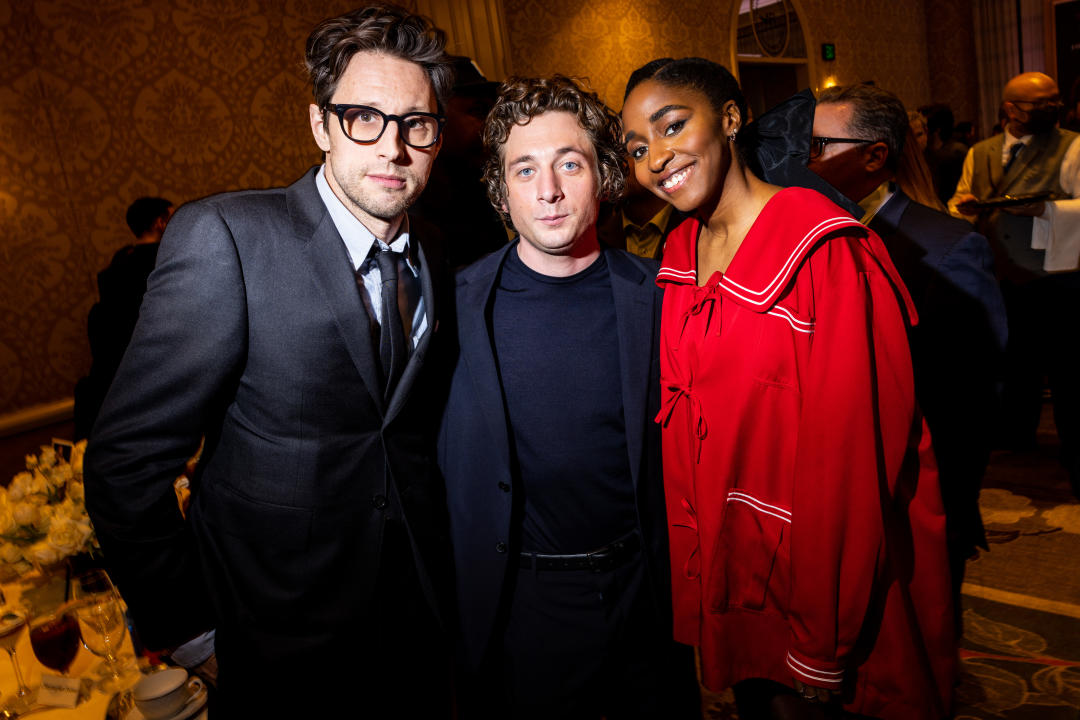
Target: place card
(57, 691)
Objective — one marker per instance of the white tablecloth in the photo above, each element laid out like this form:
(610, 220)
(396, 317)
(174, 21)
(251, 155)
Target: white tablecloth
(86, 665)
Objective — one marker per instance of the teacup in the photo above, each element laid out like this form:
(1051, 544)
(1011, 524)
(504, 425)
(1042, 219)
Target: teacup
(163, 694)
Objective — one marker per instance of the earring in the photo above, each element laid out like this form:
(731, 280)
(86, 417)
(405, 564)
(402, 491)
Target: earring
(731, 137)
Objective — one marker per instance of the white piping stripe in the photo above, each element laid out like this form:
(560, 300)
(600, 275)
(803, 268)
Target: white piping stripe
(830, 681)
(791, 659)
(759, 502)
(804, 323)
(820, 229)
(681, 274)
(760, 510)
(808, 329)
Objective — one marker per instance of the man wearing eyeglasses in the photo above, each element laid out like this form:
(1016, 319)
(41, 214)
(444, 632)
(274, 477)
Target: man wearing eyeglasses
(859, 135)
(1037, 244)
(294, 329)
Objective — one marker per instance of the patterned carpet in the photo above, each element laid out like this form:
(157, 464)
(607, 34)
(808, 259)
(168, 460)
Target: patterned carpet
(1021, 648)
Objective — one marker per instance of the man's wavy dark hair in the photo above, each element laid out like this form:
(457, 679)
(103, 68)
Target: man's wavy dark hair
(522, 99)
(385, 29)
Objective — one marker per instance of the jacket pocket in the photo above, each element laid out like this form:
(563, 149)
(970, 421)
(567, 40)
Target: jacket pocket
(750, 568)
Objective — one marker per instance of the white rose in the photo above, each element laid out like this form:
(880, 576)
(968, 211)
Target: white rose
(48, 456)
(20, 485)
(44, 518)
(60, 476)
(66, 537)
(42, 553)
(31, 462)
(24, 513)
(76, 493)
(7, 523)
(10, 553)
(39, 486)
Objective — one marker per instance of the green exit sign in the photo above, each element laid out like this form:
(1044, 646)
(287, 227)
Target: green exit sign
(828, 51)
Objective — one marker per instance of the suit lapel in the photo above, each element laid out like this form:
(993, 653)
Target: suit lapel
(331, 272)
(995, 170)
(329, 265)
(479, 355)
(635, 308)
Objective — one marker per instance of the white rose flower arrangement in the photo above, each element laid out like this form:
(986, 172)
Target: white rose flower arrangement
(43, 516)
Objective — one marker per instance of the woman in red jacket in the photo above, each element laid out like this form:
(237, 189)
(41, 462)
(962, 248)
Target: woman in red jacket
(807, 533)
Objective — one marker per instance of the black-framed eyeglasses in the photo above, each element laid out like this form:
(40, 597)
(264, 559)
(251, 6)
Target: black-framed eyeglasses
(364, 124)
(1051, 102)
(817, 144)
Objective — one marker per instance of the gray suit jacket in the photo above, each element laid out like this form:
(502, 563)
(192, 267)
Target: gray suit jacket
(253, 334)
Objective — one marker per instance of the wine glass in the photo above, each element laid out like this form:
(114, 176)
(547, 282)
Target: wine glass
(11, 627)
(101, 621)
(55, 639)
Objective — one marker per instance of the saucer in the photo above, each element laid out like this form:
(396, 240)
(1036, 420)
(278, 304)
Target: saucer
(193, 706)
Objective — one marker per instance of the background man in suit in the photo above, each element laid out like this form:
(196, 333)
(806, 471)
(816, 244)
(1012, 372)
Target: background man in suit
(639, 222)
(948, 269)
(112, 320)
(550, 455)
(290, 327)
(1037, 248)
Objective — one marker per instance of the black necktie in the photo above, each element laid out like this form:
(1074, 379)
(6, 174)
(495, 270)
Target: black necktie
(396, 306)
(1013, 152)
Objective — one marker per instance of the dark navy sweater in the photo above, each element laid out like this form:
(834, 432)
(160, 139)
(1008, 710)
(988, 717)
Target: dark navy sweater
(557, 349)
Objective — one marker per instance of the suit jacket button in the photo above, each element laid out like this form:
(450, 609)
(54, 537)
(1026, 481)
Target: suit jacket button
(505, 487)
(379, 501)
(500, 547)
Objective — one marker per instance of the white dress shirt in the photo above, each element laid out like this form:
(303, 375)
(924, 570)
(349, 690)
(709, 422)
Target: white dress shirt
(358, 242)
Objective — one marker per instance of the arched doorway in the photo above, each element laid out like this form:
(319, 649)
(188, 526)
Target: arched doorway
(770, 52)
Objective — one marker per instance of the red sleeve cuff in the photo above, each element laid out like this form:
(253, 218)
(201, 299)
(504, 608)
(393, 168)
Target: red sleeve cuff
(815, 672)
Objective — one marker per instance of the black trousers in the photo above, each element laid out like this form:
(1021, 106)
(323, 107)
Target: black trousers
(1044, 340)
(394, 664)
(582, 644)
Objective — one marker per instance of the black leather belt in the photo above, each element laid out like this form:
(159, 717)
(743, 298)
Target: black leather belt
(608, 557)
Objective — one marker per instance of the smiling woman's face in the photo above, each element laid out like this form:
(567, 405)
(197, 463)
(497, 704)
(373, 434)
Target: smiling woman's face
(676, 144)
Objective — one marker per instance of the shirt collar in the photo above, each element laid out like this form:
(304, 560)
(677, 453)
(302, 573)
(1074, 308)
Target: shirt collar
(1009, 142)
(875, 200)
(789, 226)
(358, 239)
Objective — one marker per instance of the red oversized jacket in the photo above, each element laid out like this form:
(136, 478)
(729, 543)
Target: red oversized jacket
(807, 530)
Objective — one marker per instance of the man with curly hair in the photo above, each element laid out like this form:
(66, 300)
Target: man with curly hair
(294, 329)
(550, 455)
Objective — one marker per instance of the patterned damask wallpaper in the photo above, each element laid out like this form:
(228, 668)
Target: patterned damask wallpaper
(605, 40)
(104, 101)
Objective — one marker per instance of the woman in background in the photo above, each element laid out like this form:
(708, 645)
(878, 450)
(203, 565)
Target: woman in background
(807, 538)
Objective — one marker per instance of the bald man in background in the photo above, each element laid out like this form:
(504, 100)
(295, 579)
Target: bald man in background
(1037, 248)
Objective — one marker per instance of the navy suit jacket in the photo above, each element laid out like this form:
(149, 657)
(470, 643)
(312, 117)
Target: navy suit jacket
(956, 348)
(474, 442)
(253, 334)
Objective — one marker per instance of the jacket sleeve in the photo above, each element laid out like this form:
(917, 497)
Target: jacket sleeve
(958, 349)
(857, 414)
(184, 356)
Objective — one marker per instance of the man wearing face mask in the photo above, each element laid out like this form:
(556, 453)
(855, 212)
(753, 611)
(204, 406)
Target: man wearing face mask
(1037, 245)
